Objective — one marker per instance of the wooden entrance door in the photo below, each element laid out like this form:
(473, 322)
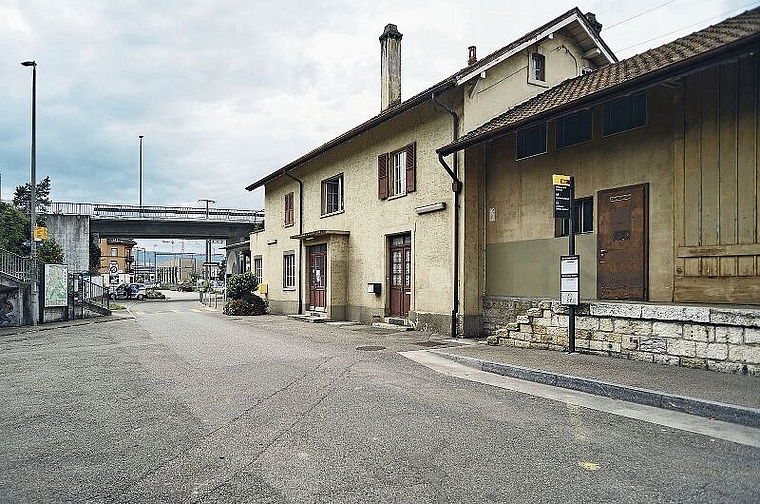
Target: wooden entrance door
(622, 244)
(318, 277)
(400, 253)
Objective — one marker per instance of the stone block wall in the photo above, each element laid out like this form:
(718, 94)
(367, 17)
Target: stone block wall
(716, 338)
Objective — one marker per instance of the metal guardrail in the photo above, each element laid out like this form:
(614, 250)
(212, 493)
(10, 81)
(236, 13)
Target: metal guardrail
(22, 269)
(112, 211)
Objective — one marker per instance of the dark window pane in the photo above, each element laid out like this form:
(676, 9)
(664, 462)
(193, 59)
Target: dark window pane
(625, 113)
(574, 128)
(531, 141)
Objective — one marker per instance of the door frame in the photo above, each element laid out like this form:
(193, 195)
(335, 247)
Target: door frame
(309, 254)
(645, 237)
(389, 265)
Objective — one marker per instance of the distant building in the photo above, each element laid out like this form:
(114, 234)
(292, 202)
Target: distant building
(116, 256)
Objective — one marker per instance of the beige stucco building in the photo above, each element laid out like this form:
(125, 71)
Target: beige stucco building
(373, 224)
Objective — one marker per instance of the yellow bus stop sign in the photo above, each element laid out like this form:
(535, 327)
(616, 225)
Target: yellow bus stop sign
(40, 233)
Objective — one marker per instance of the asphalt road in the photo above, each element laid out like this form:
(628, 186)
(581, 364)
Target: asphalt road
(183, 404)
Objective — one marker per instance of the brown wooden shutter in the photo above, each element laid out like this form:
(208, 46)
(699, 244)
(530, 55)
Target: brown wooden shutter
(411, 167)
(382, 176)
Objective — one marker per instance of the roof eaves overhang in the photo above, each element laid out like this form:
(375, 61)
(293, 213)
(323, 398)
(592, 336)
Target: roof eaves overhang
(320, 233)
(575, 17)
(710, 58)
(386, 115)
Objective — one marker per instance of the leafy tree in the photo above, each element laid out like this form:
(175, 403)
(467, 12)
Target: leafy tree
(23, 195)
(15, 229)
(50, 252)
(94, 256)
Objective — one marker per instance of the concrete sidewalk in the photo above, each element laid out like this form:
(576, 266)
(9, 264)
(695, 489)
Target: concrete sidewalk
(727, 397)
(26, 329)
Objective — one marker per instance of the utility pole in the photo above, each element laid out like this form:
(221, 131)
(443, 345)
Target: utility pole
(207, 266)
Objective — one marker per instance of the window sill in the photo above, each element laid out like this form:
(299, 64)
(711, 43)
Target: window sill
(538, 83)
(396, 196)
(288, 289)
(331, 214)
(288, 224)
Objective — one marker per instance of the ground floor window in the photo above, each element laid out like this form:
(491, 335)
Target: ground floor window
(289, 270)
(584, 219)
(257, 268)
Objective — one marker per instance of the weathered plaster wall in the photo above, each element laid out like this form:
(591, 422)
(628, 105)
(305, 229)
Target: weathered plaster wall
(522, 254)
(72, 233)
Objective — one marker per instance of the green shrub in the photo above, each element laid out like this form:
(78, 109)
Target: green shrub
(242, 285)
(250, 305)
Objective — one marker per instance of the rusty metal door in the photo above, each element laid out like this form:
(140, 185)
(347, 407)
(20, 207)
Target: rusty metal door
(622, 244)
(401, 275)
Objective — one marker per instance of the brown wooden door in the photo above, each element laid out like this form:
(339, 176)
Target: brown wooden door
(318, 277)
(622, 245)
(401, 275)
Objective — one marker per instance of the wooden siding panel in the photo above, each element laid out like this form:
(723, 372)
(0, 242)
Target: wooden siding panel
(747, 162)
(739, 290)
(727, 174)
(710, 232)
(692, 198)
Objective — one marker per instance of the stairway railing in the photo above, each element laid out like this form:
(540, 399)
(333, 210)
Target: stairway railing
(19, 268)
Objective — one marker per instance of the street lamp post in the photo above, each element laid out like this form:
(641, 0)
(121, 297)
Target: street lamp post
(141, 172)
(32, 192)
(207, 267)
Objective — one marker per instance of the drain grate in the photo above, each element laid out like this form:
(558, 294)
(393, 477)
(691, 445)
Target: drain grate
(370, 348)
(429, 343)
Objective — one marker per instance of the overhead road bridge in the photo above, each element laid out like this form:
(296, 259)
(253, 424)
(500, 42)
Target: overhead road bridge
(133, 221)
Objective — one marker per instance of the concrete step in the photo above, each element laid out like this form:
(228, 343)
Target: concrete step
(393, 327)
(309, 317)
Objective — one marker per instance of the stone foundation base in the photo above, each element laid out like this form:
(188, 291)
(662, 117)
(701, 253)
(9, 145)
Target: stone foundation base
(720, 339)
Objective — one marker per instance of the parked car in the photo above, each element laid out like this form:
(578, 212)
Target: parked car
(128, 291)
(185, 288)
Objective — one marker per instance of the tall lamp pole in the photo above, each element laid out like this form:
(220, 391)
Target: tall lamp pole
(141, 170)
(32, 195)
(207, 268)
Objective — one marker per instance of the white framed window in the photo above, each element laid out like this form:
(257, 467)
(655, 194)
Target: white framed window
(398, 173)
(257, 268)
(537, 67)
(114, 252)
(289, 270)
(332, 195)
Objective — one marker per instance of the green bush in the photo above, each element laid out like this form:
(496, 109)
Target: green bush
(250, 305)
(242, 285)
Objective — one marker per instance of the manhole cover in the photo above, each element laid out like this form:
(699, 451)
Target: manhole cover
(429, 343)
(370, 348)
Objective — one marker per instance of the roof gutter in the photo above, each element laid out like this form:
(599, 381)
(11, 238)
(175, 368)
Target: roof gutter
(689, 66)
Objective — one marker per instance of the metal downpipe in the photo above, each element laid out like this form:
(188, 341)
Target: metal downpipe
(456, 187)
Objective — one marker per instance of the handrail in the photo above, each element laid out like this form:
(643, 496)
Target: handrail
(22, 269)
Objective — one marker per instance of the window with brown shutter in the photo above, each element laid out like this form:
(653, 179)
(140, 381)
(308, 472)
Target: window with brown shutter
(411, 167)
(396, 172)
(289, 209)
(382, 176)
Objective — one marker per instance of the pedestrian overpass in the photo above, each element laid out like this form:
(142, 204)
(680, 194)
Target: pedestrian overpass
(133, 221)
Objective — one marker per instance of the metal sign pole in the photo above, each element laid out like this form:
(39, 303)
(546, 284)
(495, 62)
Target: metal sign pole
(571, 251)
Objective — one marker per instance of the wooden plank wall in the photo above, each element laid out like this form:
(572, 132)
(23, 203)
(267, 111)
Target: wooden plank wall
(717, 186)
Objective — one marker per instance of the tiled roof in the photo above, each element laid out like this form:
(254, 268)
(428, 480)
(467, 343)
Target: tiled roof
(421, 97)
(699, 46)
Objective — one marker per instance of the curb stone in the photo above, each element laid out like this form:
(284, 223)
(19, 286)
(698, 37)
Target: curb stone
(700, 407)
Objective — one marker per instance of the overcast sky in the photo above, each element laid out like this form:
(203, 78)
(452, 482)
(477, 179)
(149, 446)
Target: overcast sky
(227, 91)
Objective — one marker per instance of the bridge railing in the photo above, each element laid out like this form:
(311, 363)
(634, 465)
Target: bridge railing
(112, 211)
(21, 269)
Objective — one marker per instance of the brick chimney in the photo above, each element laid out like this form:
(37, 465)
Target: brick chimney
(596, 25)
(390, 67)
